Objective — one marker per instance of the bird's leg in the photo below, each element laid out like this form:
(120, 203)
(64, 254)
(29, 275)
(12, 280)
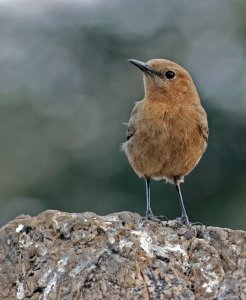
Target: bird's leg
(184, 217)
(149, 213)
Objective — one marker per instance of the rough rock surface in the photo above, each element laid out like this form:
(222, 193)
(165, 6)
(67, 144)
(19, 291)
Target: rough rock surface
(58, 255)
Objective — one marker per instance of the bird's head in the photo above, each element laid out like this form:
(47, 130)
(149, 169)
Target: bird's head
(166, 80)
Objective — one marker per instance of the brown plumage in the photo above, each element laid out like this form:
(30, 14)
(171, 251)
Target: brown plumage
(168, 131)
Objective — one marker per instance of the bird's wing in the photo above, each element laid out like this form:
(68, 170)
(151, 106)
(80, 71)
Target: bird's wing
(203, 123)
(131, 123)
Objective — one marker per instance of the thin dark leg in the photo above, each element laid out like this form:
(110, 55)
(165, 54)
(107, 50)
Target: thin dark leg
(184, 218)
(149, 213)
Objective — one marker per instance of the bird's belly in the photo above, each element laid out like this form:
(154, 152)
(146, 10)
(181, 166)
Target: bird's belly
(163, 155)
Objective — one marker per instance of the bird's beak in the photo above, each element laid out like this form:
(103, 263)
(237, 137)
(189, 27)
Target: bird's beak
(142, 66)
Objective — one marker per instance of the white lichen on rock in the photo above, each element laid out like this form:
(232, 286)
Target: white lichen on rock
(20, 294)
(19, 228)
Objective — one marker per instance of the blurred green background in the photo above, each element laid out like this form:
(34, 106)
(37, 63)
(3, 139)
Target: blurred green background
(66, 88)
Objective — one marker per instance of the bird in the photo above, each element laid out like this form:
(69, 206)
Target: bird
(167, 132)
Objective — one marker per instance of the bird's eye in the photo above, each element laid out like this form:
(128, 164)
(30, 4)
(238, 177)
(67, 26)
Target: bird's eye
(169, 75)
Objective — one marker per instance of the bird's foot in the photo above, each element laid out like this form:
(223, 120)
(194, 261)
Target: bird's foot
(150, 216)
(185, 221)
(161, 218)
(196, 224)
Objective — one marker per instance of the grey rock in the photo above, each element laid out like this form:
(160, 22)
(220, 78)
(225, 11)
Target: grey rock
(58, 255)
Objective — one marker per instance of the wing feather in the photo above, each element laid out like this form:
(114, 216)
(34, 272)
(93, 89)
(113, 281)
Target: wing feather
(203, 124)
(131, 126)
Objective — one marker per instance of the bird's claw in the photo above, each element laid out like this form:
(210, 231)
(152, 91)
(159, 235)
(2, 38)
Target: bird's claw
(185, 221)
(153, 218)
(162, 218)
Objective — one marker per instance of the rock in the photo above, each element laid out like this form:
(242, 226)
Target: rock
(58, 255)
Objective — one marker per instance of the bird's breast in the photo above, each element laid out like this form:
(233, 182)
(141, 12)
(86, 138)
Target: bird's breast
(166, 140)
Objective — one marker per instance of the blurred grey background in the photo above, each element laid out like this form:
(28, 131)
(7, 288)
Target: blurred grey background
(66, 88)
